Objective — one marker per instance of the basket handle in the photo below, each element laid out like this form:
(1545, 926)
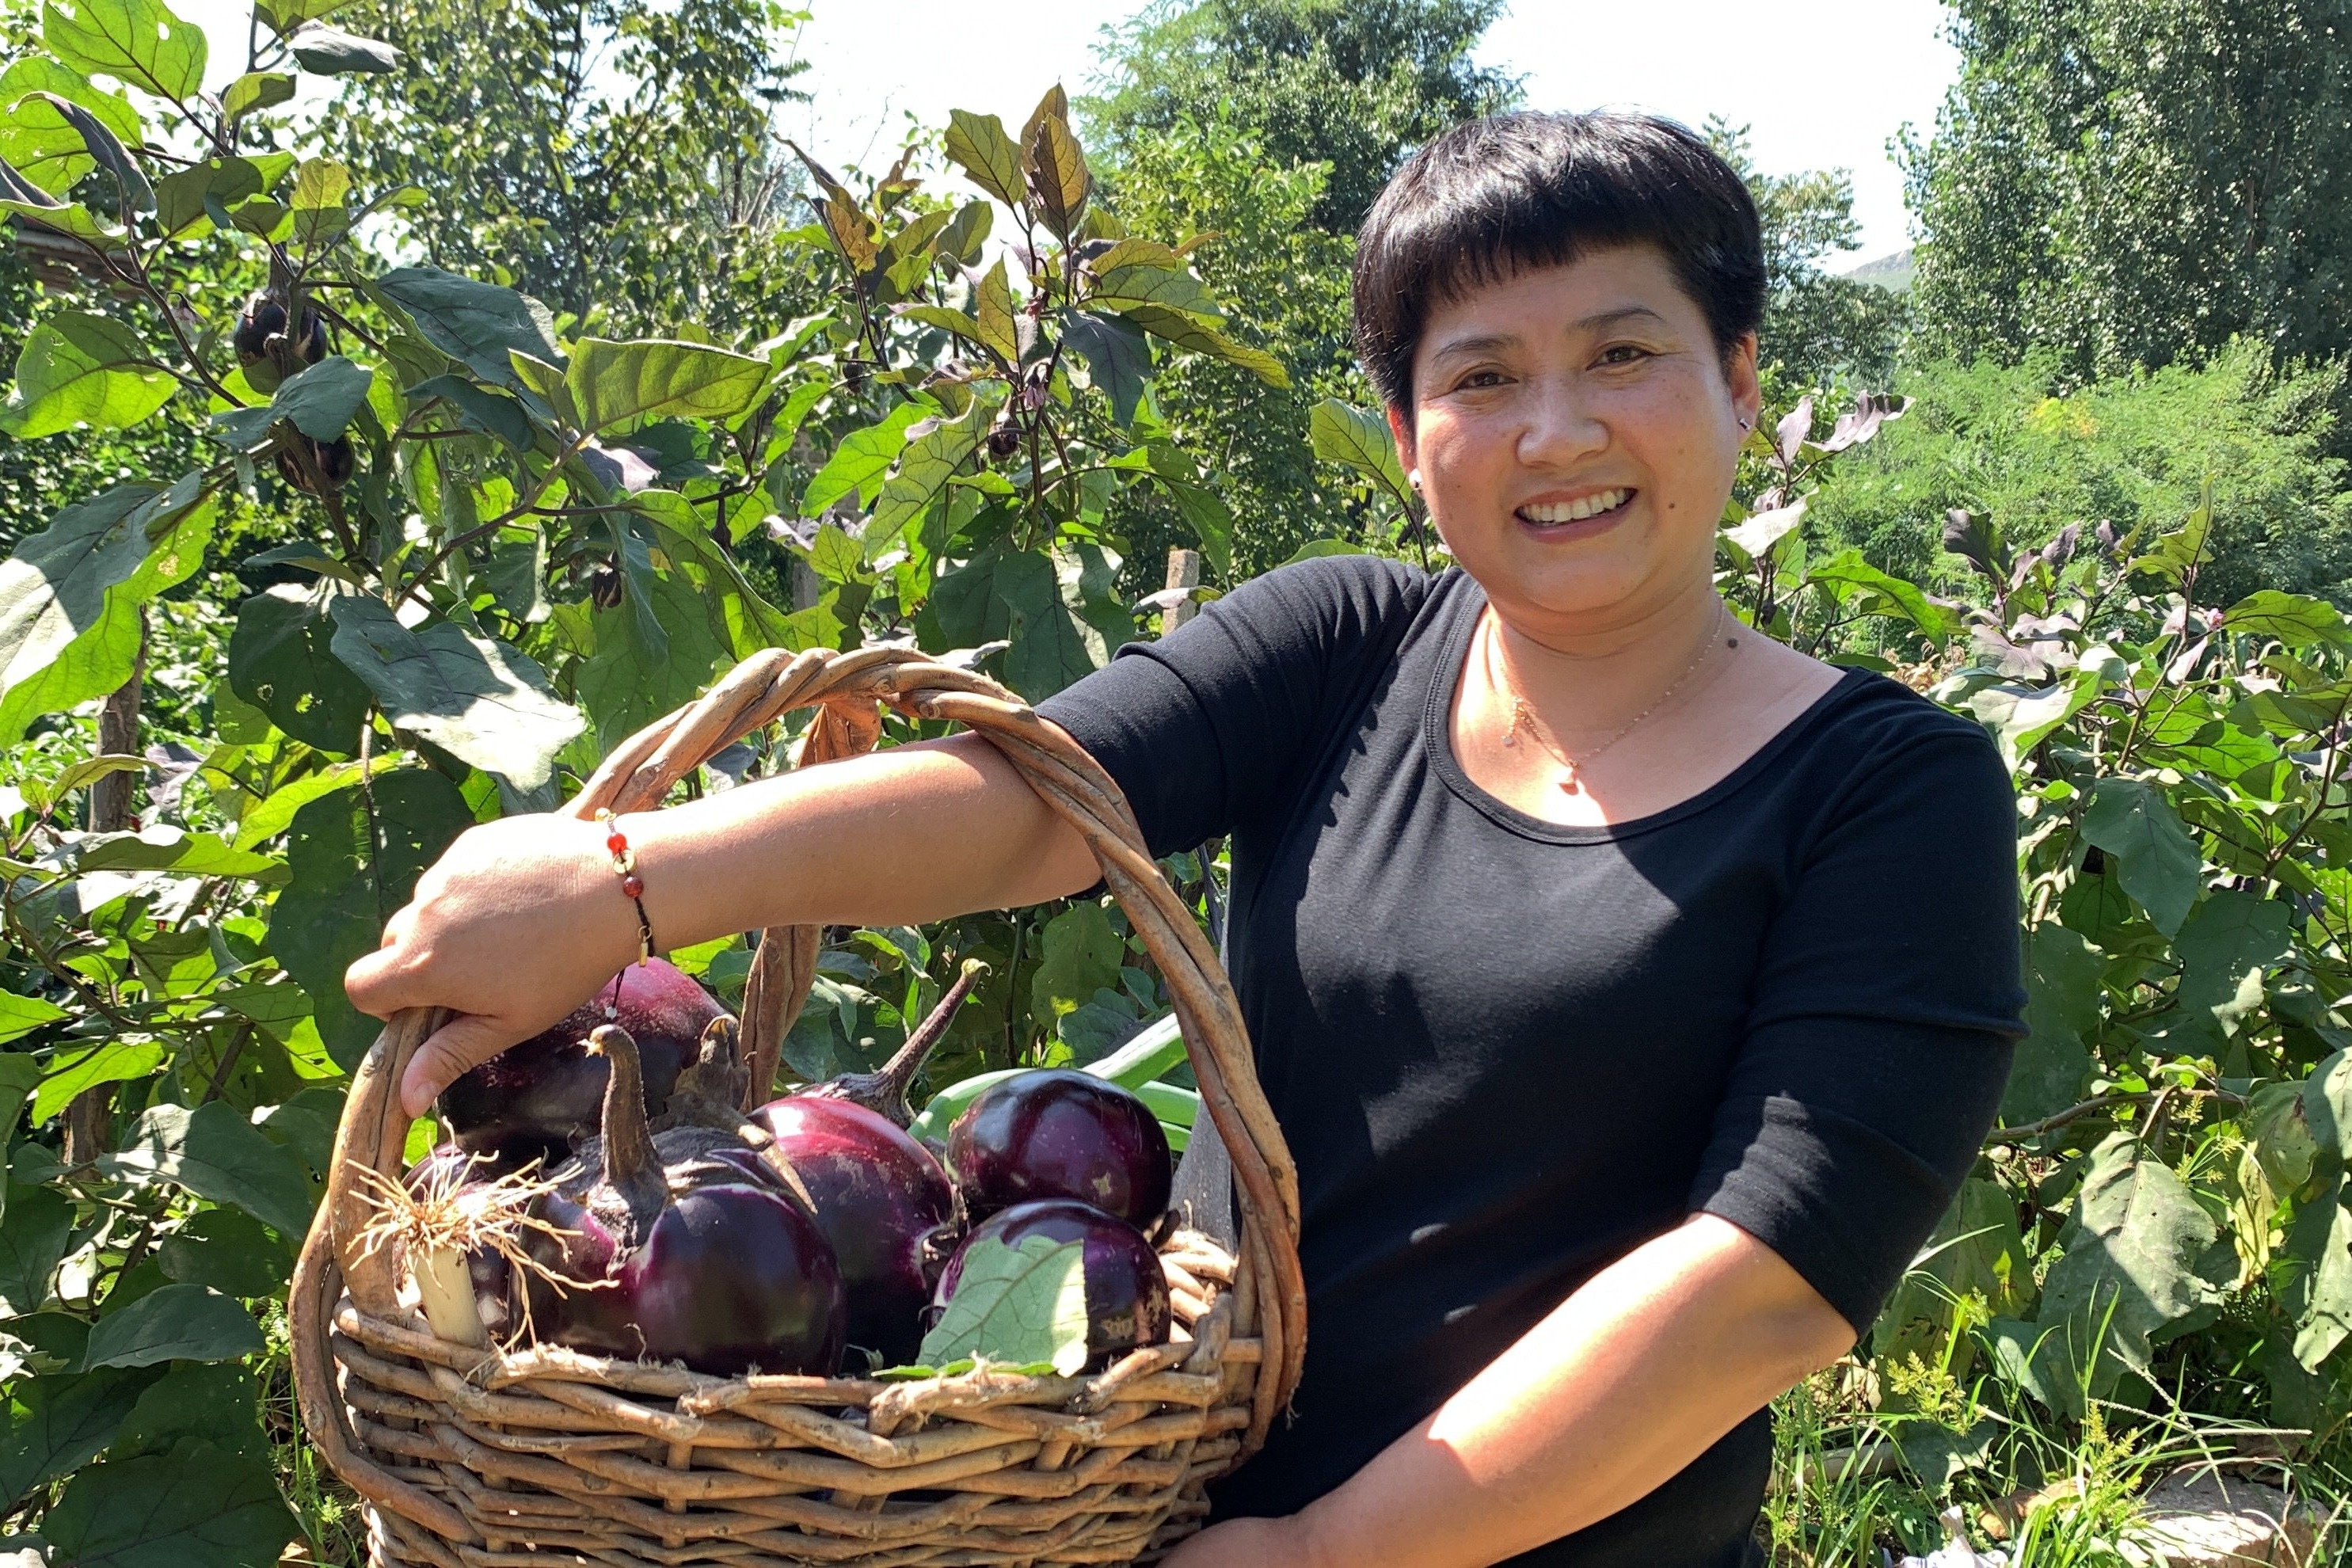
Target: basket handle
(641, 771)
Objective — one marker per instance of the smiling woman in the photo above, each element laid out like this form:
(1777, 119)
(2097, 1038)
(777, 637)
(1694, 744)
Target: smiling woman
(1572, 920)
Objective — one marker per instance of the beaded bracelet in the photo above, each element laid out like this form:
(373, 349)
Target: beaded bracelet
(624, 862)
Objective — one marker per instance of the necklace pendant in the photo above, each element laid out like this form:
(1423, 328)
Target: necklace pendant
(1568, 779)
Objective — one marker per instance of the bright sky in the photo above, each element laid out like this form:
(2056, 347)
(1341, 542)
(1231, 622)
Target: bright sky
(1824, 83)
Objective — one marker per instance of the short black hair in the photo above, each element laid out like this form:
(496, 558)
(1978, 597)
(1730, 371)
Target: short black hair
(1491, 198)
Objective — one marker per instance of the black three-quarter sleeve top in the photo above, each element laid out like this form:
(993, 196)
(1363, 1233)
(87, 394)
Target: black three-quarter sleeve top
(1504, 1052)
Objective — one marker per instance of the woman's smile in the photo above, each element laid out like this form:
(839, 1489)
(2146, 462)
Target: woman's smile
(1557, 518)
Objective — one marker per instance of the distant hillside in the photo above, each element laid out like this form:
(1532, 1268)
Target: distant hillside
(1888, 273)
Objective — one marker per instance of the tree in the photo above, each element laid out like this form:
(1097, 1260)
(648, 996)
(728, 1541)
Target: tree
(615, 158)
(1356, 84)
(2130, 182)
(1817, 324)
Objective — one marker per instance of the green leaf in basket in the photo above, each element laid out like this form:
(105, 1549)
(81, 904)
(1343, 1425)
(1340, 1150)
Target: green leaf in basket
(1021, 1304)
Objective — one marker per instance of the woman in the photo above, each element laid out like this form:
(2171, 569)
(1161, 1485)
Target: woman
(1633, 990)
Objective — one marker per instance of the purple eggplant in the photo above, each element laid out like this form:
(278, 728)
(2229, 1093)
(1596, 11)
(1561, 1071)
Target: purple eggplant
(1127, 1293)
(669, 1253)
(540, 1098)
(882, 1202)
(1060, 1134)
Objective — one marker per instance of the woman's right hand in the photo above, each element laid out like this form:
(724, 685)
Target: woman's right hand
(517, 922)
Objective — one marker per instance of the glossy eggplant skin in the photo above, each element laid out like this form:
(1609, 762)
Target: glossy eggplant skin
(1127, 1293)
(729, 1279)
(880, 1197)
(1055, 1134)
(538, 1097)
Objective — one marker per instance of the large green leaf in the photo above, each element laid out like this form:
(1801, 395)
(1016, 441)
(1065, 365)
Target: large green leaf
(2138, 1254)
(2296, 619)
(82, 369)
(331, 51)
(2226, 944)
(174, 1322)
(2318, 1294)
(612, 382)
(355, 857)
(69, 596)
(2158, 861)
(481, 700)
(1025, 1306)
(56, 1425)
(858, 464)
(1082, 955)
(20, 1074)
(215, 1152)
(33, 1241)
(87, 1064)
(228, 1249)
(1978, 1250)
(220, 1403)
(282, 659)
(19, 1016)
(978, 143)
(2062, 1006)
(37, 139)
(1058, 615)
(200, 1505)
(1117, 356)
(632, 678)
(475, 323)
(163, 847)
(138, 42)
(930, 460)
(1188, 332)
(323, 399)
(1360, 439)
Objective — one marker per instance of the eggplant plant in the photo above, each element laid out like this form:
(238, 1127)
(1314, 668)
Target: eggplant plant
(416, 551)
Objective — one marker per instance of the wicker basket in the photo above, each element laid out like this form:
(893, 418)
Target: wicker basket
(468, 1459)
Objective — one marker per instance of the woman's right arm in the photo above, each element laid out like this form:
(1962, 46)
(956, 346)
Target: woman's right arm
(522, 917)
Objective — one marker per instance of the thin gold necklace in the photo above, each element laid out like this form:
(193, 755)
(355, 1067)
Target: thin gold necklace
(1524, 717)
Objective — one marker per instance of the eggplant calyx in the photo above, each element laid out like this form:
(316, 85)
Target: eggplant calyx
(885, 1092)
(709, 1094)
(711, 1090)
(633, 1170)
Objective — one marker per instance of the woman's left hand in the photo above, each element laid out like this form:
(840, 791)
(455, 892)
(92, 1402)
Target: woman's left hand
(1243, 1543)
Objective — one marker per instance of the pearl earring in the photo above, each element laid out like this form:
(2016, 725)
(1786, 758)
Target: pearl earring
(1413, 478)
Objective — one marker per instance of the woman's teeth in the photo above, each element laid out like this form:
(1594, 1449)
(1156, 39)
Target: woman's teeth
(1577, 511)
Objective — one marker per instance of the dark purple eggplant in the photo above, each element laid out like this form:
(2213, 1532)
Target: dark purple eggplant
(885, 1092)
(1055, 1134)
(883, 1202)
(670, 1254)
(1127, 1293)
(541, 1097)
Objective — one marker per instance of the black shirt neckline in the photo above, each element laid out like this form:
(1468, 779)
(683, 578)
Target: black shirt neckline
(1438, 741)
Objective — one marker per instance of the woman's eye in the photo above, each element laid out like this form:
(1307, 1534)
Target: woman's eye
(1479, 378)
(1623, 353)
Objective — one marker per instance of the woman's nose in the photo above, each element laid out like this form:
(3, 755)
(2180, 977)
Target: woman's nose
(1561, 428)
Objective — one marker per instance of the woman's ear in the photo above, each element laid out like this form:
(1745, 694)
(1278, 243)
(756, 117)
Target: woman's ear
(1739, 379)
(1401, 432)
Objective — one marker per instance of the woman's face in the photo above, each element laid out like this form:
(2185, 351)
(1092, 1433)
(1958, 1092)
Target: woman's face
(1575, 429)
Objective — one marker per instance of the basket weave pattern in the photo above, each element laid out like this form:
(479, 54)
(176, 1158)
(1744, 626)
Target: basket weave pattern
(469, 1458)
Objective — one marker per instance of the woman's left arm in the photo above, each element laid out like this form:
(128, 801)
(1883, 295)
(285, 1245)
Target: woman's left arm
(1639, 1372)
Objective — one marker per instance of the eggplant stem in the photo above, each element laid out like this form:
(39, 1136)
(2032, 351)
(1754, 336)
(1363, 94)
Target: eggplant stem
(900, 1069)
(632, 1168)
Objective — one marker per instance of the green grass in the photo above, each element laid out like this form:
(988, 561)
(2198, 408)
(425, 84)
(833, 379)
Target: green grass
(1851, 1480)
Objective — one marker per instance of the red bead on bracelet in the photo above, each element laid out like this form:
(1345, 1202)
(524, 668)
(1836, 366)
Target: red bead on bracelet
(625, 864)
